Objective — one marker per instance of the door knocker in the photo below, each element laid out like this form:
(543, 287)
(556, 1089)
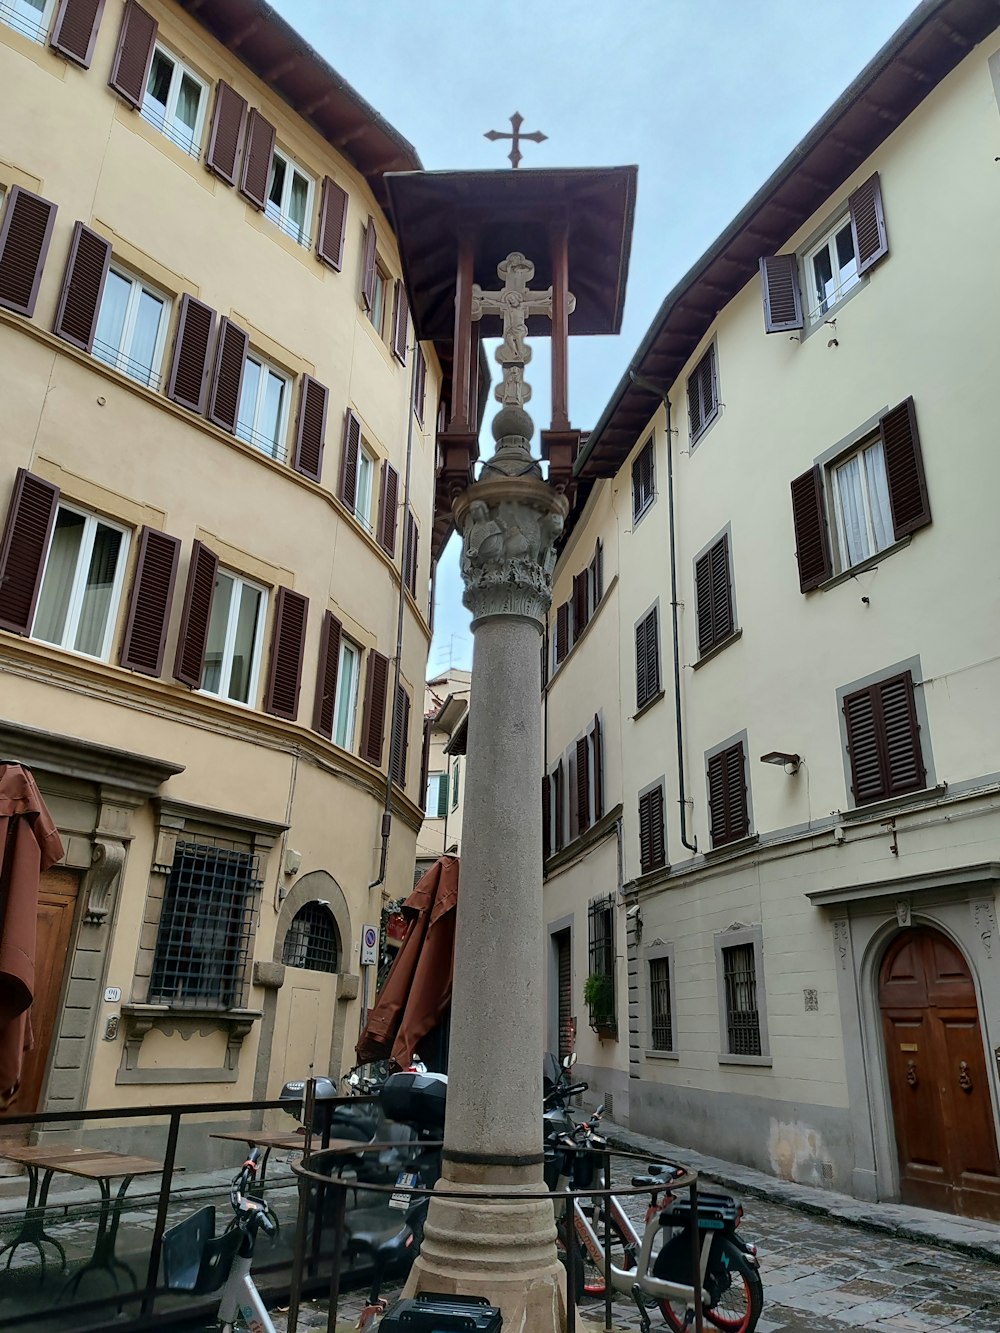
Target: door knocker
(964, 1078)
(911, 1073)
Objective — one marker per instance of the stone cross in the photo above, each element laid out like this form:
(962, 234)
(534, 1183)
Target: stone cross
(515, 302)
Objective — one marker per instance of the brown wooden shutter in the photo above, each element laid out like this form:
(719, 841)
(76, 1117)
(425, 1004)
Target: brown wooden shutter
(420, 385)
(904, 466)
(23, 547)
(583, 784)
(545, 660)
(647, 659)
(230, 358)
(24, 243)
(597, 573)
(727, 795)
(388, 516)
(284, 678)
(75, 29)
(326, 676)
(256, 174)
(562, 632)
(373, 714)
(310, 433)
(779, 280)
(713, 595)
(642, 478)
(410, 542)
(641, 690)
(229, 119)
(812, 546)
(348, 487)
(546, 816)
(559, 803)
(83, 287)
(332, 224)
(401, 738)
(368, 265)
(149, 602)
(702, 394)
(187, 383)
(192, 637)
(883, 740)
(652, 849)
(871, 241)
(425, 759)
(598, 768)
(579, 604)
(134, 55)
(400, 324)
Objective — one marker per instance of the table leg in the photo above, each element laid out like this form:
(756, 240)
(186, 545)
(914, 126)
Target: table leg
(104, 1257)
(32, 1229)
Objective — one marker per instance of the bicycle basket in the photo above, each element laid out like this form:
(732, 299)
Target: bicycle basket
(195, 1260)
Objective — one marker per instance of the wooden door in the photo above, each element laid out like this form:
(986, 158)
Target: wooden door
(564, 982)
(938, 1079)
(57, 894)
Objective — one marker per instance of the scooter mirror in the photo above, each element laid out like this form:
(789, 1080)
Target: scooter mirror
(569, 1060)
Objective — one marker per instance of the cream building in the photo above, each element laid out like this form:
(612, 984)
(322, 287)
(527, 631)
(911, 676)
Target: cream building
(784, 548)
(217, 472)
(446, 717)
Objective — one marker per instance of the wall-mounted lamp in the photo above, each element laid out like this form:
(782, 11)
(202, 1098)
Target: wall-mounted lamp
(789, 762)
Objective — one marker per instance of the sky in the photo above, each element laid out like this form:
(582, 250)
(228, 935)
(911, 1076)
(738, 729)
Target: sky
(706, 97)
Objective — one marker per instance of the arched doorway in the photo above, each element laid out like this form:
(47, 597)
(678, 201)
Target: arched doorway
(938, 1078)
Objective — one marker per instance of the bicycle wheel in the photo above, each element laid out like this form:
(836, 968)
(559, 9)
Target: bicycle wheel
(622, 1252)
(739, 1296)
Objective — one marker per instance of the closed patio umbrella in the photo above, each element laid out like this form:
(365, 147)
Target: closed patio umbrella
(417, 992)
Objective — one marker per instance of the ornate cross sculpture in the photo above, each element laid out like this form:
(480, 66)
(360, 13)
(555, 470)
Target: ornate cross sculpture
(515, 154)
(514, 303)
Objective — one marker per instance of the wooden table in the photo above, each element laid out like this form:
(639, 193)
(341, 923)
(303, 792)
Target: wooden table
(45, 1159)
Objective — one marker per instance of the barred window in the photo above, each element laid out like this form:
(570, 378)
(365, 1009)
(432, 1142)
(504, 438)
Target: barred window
(661, 1024)
(601, 997)
(312, 941)
(205, 940)
(739, 972)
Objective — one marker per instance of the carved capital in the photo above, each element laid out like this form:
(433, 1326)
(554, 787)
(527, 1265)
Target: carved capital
(510, 527)
(107, 862)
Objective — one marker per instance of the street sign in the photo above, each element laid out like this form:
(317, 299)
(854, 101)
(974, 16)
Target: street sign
(369, 946)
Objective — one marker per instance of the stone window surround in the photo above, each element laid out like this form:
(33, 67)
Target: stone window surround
(738, 737)
(737, 934)
(554, 928)
(658, 949)
(913, 666)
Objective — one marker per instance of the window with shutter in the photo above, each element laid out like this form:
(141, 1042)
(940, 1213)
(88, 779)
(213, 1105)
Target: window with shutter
(713, 596)
(175, 101)
(225, 139)
(647, 659)
(289, 203)
(581, 603)
(24, 242)
(597, 576)
(410, 549)
(131, 329)
(831, 270)
(256, 174)
(227, 384)
(559, 806)
(262, 418)
(779, 277)
(28, 17)
(326, 675)
(652, 840)
(388, 509)
(399, 743)
(199, 597)
(83, 287)
(420, 385)
(373, 714)
(75, 29)
(134, 55)
(346, 709)
(234, 641)
(883, 740)
(642, 480)
(81, 587)
(904, 466)
(287, 647)
(727, 795)
(368, 270)
(347, 488)
(871, 241)
(703, 396)
(400, 323)
(23, 548)
(812, 549)
(425, 758)
(310, 432)
(150, 601)
(546, 816)
(188, 380)
(562, 632)
(582, 784)
(332, 224)
(597, 763)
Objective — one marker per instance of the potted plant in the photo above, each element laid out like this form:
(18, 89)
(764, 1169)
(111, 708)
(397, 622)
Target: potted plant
(599, 997)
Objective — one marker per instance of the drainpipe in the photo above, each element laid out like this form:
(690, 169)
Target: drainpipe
(643, 383)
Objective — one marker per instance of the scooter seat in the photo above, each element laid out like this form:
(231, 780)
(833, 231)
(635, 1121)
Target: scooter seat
(373, 1229)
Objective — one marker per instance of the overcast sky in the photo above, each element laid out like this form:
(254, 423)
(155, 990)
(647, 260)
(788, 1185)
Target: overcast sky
(706, 96)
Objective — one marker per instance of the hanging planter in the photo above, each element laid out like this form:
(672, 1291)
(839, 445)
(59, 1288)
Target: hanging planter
(599, 997)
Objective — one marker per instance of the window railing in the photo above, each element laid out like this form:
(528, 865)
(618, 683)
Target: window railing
(135, 370)
(13, 18)
(181, 136)
(289, 226)
(265, 443)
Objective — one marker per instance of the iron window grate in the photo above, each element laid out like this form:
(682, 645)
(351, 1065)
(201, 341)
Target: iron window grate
(312, 940)
(661, 1015)
(205, 940)
(601, 953)
(742, 1016)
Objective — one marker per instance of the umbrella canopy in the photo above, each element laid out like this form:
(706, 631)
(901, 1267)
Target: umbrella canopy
(29, 844)
(417, 991)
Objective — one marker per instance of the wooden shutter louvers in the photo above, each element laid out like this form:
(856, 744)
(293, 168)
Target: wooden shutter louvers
(652, 845)
(779, 278)
(400, 739)
(904, 467)
(727, 795)
(388, 515)
(647, 660)
(713, 596)
(287, 646)
(23, 547)
(332, 224)
(373, 714)
(187, 383)
(812, 545)
(368, 265)
(400, 324)
(24, 242)
(229, 119)
(192, 637)
(256, 175)
(75, 30)
(310, 432)
(149, 602)
(883, 740)
(230, 359)
(83, 287)
(582, 785)
(348, 485)
(134, 55)
(326, 676)
(871, 241)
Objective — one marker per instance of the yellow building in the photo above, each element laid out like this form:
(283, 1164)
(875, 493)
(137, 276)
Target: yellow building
(446, 720)
(785, 549)
(217, 471)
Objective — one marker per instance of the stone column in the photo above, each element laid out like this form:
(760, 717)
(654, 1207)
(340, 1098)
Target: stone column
(500, 1248)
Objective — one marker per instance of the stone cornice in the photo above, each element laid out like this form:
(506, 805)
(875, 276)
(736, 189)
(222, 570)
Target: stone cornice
(104, 764)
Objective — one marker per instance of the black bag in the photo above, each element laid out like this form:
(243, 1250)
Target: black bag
(434, 1313)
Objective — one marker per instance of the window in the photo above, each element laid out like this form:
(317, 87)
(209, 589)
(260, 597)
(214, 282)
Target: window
(132, 327)
(727, 795)
(861, 504)
(883, 740)
(263, 413)
(647, 659)
(643, 480)
(661, 1016)
(82, 583)
(29, 17)
(714, 596)
(205, 938)
(175, 101)
(587, 780)
(366, 476)
(420, 386)
(289, 198)
(455, 778)
(553, 812)
(312, 941)
(436, 802)
(703, 395)
(739, 973)
(652, 838)
(831, 269)
(235, 631)
(379, 305)
(562, 632)
(601, 995)
(346, 706)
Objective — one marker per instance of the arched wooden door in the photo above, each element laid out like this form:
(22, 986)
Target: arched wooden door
(943, 1112)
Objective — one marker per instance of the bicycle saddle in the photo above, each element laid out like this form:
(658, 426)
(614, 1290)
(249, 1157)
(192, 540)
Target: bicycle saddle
(374, 1229)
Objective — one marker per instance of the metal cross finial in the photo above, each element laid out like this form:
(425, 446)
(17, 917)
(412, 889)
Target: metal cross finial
(516, 121)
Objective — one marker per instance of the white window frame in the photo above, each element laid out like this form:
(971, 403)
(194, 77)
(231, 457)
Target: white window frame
(818, 308)
(79, 585)
(365, 495)
(165, 122)
(381, 283)
(226, 667)
(278, 213)
(121, 359)
(347, 682)
(251, 435)
(434, 781)
(38, 30)
(844, 560)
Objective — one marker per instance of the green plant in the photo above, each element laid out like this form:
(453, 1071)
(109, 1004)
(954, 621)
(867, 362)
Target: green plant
(599, 997)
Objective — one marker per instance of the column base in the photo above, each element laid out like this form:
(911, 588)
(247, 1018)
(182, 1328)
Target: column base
(503, 1249)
